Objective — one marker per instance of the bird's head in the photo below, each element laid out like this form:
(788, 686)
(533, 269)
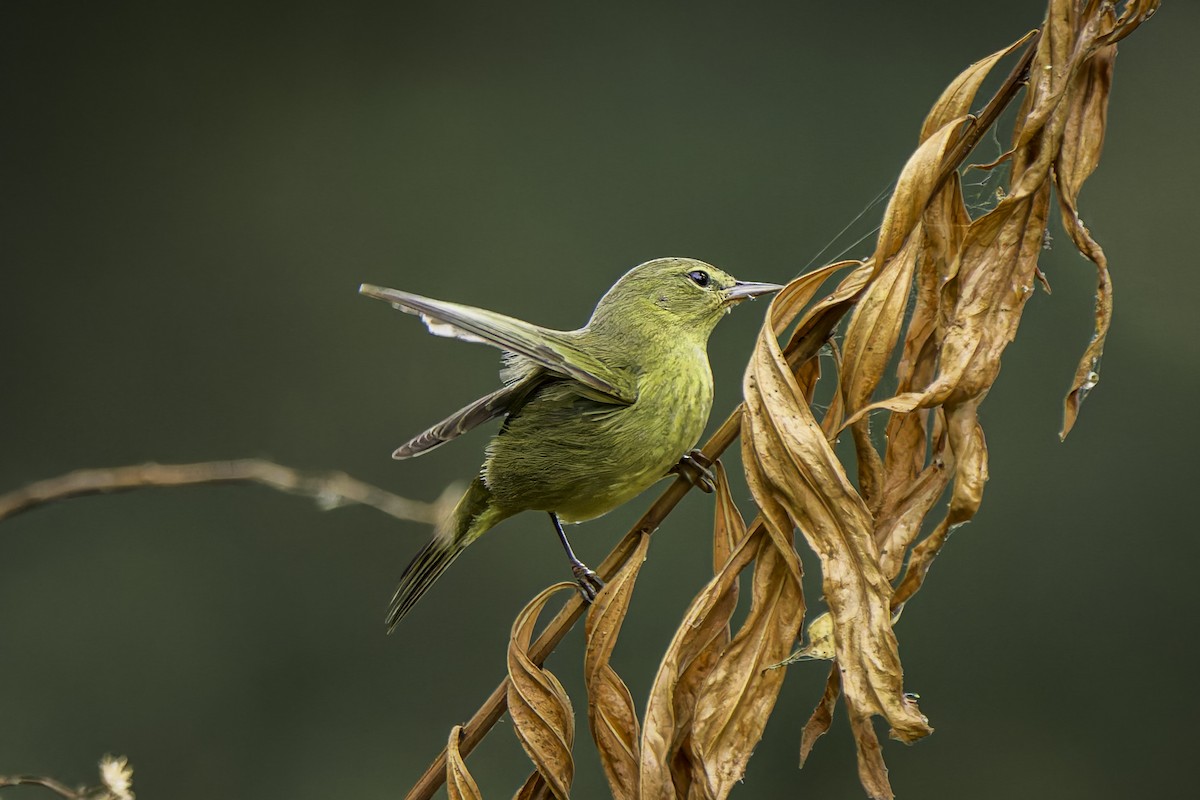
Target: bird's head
(680, 295)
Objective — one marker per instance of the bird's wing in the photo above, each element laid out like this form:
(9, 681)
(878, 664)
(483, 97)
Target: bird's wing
(488, 407)
(553, 350)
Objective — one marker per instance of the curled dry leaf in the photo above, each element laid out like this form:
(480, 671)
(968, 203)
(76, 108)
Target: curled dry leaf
(817, 326)
(959, 97)
(872, 771)
(728, 526)
(798, 481)
(459, 783)
(872, 334)
(994, 267)
(1057, 139)
(878, 318)
(971, 280)
(541, 711)
(739, 692)
(1084, 136)
(534, 788)
(729, 529)
(611, 715)
(668, 752)
(737, 695)
(822, 716)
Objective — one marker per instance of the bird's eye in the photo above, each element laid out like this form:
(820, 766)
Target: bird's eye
(699, 277)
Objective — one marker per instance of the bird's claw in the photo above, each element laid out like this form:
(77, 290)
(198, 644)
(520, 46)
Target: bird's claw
(695, 467)
(589, 582)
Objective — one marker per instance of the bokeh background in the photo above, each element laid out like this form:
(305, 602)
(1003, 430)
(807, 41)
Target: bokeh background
(191, 195)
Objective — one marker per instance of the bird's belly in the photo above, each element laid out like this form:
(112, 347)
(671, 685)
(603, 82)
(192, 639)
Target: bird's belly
(581, 459)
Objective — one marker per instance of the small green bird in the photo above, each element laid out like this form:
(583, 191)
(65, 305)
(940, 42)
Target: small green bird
(592, 417)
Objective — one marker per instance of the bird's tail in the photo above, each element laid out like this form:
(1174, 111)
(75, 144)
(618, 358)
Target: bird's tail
(473, 515)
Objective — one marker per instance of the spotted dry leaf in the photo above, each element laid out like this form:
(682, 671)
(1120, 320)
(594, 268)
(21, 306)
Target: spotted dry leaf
(540, 709)
(611, 715)
(459, 783)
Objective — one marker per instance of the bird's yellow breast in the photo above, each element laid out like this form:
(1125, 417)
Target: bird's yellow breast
(580, 458)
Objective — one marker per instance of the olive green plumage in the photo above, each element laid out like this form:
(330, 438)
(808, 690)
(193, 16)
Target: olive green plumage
(592, 416)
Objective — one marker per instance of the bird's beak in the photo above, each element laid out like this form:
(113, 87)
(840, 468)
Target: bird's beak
(746, 289)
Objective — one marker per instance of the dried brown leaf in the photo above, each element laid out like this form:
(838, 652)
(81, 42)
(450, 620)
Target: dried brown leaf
(611, 715)
(900, 524)
(907, 476)
(871, 336)
(1133, 14)
(459, 783)
(965, 435)
(972, 283)
(541, 711)
(822, 716)
(945, 223)
(993, 281)
(875, 325)
(915, 187)
(1060, 125)
(796, 479)
(534, 788)
(959, 96)
(872, 772)
(729, 529)
(878, 318)
(667, 749)
(817, 325)
(831, 423)
(992, 274)
(818, 643)
(738, 694)
(804, 288)
(1080, 153)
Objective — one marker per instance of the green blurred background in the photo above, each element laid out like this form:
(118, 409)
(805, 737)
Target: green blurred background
(191, 195)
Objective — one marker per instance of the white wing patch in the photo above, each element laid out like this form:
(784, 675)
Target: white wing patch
(441, 328)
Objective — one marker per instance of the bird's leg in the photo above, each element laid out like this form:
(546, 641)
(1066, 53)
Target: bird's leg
(695, 468)
(589, 582)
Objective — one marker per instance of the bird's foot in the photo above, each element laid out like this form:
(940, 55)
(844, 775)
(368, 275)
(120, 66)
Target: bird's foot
(695, 467)
(589, 582)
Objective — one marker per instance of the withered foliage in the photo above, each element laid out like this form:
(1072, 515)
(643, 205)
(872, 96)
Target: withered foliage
(541, 711)
(940, 298)
(459, 783)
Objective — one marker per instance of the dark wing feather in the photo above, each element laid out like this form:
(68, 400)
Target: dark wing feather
(488, 407)
(553, 350)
